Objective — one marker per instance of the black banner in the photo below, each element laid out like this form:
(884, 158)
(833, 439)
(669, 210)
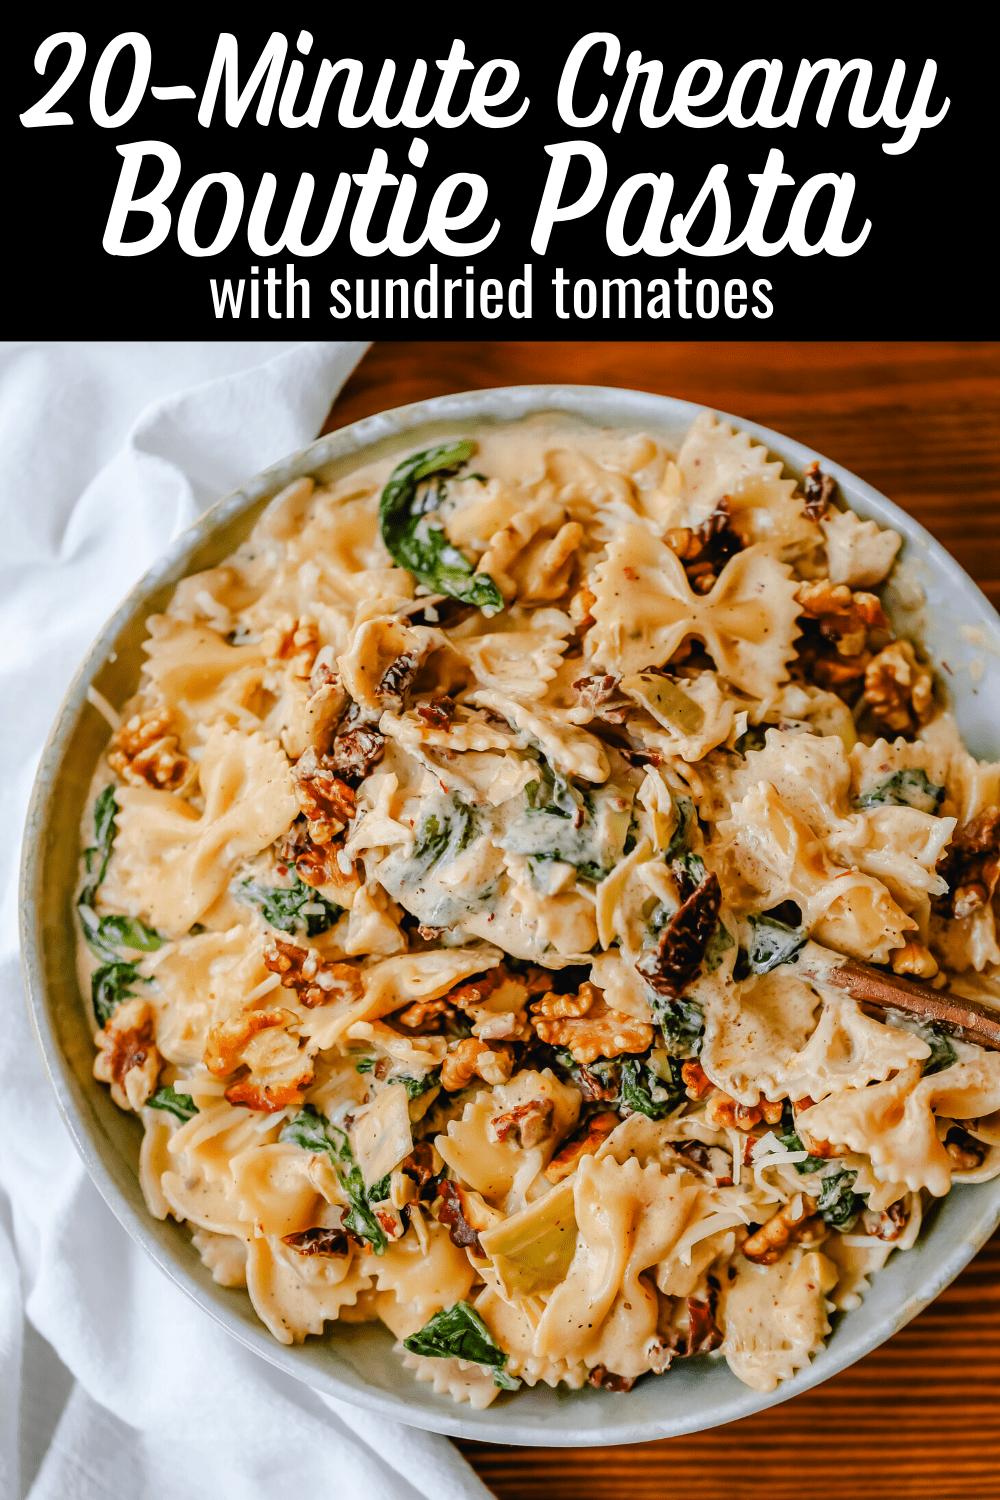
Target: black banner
(439, 180)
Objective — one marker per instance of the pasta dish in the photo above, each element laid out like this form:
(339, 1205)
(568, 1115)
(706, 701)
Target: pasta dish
(534, 900)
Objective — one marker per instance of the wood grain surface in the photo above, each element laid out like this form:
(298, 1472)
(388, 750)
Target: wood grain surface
(919, 1417)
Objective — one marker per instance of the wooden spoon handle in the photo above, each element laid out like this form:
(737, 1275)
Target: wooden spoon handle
(874, 989)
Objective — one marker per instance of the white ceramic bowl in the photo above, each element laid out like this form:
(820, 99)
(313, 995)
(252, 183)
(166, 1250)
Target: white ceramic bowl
(357, 1363)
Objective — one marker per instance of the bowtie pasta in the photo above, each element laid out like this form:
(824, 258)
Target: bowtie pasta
(447, 891)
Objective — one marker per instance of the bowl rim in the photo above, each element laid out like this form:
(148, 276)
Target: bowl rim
(514, 1426)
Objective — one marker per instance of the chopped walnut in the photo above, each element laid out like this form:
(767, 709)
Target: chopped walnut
(528, 1123)
(673, 964)
(128, 1059)
(580, 606)
(970, 865)
(226, 1039)
(474, 992)
(319, 865)
(553, 1006)
(899, 690)
(601, 696)
(818, 660)
(268, 1098)
(964, 1151)
(318, 1242)
(819, 489)
(473, 1057)
(696, 1083)
(914, 958)
(314, 980)
(827, 1150)
(566, 1160)
(705, 549)
(328, 802)
(474, 997)
(586, 1025)
(769, 1242)
(145, 753)
(844, 617)
(425, 1016)
(887, 1224)
(722, 1113)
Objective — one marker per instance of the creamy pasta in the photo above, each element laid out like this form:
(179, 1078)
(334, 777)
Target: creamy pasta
(462, 891)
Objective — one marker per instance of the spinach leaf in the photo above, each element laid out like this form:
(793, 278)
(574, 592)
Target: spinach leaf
(943, 1053)
(909, 788)
(314, 1132)
(420, 544)
(693, 866)
(838, 1202)
(454, 831)
(719, 943)
(459, 1333)
(379, 1191)
(417, 1084)
(105, 935)
(753, 739)
(281, 906)
(181, 1105)
(773, 943)
(684, 808)
(791, 1141)
(638, 1082)
(105, 828)
(109, 987)
(366, 1065)
(553, 794)
(681, 1021)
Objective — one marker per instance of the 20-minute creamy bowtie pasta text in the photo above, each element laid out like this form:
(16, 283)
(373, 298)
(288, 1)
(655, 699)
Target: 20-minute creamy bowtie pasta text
(465, 882)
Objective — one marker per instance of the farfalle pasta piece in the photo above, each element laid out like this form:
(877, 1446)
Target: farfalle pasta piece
(782, 859)
(894, 1122)
(515, 1332)
(775, 1317)
(171, 863)
(628, 1218)
(194, 672)
(573, 750)
(294, 1294)
(277, 1189)
(425, 1272)
(452, 1377)
(500, 1168)
(858, 552)
(714, 461)
(644, 609)
(777, 1037)
(517, 662)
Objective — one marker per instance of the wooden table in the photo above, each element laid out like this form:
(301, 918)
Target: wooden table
(920, 1417)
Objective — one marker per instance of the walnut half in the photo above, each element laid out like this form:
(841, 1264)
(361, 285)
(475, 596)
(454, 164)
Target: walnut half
(899, 689)
(586, 1025)
(128, 1059)
(145, 752)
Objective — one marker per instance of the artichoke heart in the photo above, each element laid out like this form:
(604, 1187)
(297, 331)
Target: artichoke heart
(665, 701)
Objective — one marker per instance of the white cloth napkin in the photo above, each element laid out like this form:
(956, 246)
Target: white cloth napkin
(113, 1383)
